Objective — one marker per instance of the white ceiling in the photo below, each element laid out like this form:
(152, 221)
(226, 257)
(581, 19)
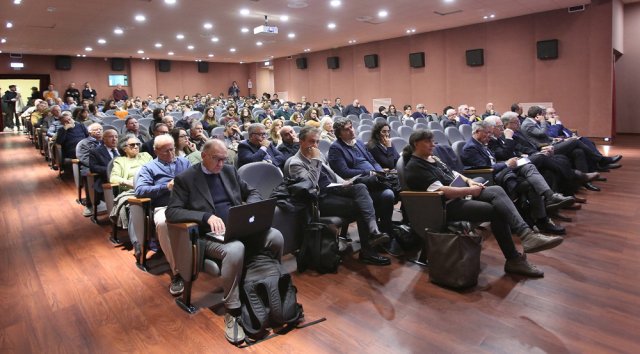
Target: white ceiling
(67, 26)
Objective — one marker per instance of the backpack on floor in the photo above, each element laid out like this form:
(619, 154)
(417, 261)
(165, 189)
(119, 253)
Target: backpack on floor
(319, 248)
(268, 297)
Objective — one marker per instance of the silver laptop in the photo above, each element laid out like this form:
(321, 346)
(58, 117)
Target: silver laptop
(246, 220)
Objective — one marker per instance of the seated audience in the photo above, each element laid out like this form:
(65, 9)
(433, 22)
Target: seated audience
(69, 135)
(326, 128)
(159, 129)
(132, 127)
(183, 146)
(83, 150)
(489, 111)
(382, 112)
(290, 144)
(197, 135)
(420, 112)
(100, 157)
(425, 172)
(190, 202)
(209, 120)
(258, 148)
(354, 108)
(312, 117)
(381, 148)
(274, 132)
(126, 167)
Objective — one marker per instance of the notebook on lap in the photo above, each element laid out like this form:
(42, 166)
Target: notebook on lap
(246, 220)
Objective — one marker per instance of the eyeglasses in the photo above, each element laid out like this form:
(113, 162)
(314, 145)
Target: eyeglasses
(134, 145)
(264, 135)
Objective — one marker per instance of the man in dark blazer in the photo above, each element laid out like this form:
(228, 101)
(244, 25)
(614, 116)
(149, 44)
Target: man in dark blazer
(203, 194)
(355, 108)
(511, 176)
(100, 157)
(258, 148)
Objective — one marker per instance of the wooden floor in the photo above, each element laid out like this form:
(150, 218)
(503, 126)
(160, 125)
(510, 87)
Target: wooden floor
(65, 288)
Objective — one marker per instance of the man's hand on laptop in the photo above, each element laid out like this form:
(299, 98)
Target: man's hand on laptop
(216, 224)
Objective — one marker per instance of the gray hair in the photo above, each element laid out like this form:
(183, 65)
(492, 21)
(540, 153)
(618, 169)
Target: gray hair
(162, 140)
(93, 126)
(479, 125)
(508, 116)
(307, 130)
(450, 110)
(325, 120)
(492, 120)
(125, 139)
(66, 113)
(195, 123)
(255, 126)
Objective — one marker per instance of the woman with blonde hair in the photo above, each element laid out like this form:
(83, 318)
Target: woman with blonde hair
(274, 131)
(326, 127)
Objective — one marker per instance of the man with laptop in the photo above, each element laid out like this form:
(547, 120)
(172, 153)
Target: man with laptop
(206, 193)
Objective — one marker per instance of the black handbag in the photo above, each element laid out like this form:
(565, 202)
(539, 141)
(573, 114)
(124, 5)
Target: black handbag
(454, 256)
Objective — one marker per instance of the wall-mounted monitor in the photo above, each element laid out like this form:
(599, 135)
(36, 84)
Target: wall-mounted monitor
(118, 79)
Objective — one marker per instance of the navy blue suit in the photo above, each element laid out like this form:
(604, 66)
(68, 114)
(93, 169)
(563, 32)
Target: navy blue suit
(342, 159)
(99, 159)
(247, 153)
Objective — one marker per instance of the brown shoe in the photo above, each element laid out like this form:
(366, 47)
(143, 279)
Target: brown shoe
(533, 242)
(521, 266)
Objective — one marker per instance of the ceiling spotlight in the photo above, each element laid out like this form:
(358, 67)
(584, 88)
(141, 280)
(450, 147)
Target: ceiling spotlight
(291, 35)
(331, 25)
(215, 39)
(180, 36)
(207, 26)
(210, 55)
(118, 30)
(78, 55)
(170, 53)
(244, 30)
(267, 63)
(492, 16)
(190, 47)
(335, 3)
(307, 50)
(258, 43)
(232, 50)
(9, 24)
(17, 2)
(3, 40)
(170, 2)
(352, 41)
(383, 13)
(411, 30)
(140, 51)
(88, 49)
(244, 12)
(140, 18)
(84, 55)
(241, 62)
(284, 18)
(102, 41)
(158, 45)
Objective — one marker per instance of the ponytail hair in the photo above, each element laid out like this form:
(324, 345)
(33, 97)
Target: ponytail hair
(418, 135)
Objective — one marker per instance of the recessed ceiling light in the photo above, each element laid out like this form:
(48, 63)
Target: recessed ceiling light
(383, 13)
(331, 25)
(88, 49)
(158, 45)
(17, 2)
(207, 26)
(244, 12)
(307, 50)
(266, 63)
(241, 62)
(118, 30)
(492, 16)
(170, 53)
(232, 50)
(258, 43)
(140, 51)
(210, 55)
(9, 24)
(284, 18)
(102, 41)
(411, 30)
(78, 55)
(244, 30)
(180, 36)
(84, 55)
(215, 39)
(170, 2)
(352, 41)
(3, 40)
(291, 35)
(335, 3)
(140, 18)
(190, 47)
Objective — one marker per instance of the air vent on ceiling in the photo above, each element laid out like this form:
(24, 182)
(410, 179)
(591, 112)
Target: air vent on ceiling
(15, 55)
(577, 8)
(297, 4)
(447, 13)
(370, 19)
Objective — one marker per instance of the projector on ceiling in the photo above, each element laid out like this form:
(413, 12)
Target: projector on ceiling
(264, 29)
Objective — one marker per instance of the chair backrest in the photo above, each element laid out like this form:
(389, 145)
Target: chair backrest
(324, 146)
(364, 128)
(379, 120)
(262, 176)
(453, 134)
(118, 125)
(405, 132)
(399, 144)
(409, 122)
(366, 122)
(449, 157)
(136, 116)
(297, 129)
(365, 116)
(394, 125)
(133, 111)
(422, 120)
(353, 117)
(394, 133)
(433, 117)
(365, 136)
(109, 120)
(457, 147)
(465, 130)
(435, 126)
(109, 126)
(146, 122)
(110, 112)
(217, 132)
(392, 119)
(440, 138)
(420, 126)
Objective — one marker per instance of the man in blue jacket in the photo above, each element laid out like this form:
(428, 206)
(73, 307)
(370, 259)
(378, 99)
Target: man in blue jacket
(258, 148)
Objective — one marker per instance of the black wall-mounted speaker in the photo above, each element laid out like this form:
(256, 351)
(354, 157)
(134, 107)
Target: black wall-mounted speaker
(301, 63)
(63, 62)
(547, 49)
(117, 64)
(475, 57)
(164, 66)
(333, 62)
(416, 60)
(371, 61)
(203, 67)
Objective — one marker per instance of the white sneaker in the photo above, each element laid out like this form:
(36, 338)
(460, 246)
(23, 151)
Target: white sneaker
(102, 207)
(87, 211)
(7, 129)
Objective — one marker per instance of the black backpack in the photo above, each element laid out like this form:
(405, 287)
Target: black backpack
(268, 297)
(319, 249)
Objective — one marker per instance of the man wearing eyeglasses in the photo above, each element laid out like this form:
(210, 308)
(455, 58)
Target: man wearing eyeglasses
(258, 148)
(158, 129)
(203, 194)
(155, 181)
(82, 153)
(133, 128)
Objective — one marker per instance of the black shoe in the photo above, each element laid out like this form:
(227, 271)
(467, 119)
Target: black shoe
(378, 239)
(615, 158)
(177, 286)
(373, 259)
(591, 187)
(556, 215)
(548, 227)
(393, 248)
(601, 179)
(557, 201)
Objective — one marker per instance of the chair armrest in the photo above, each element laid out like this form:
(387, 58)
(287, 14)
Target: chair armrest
(486, 173)
(139, 201)
(425, 210)
(186, 249)
(421, 194)
(109, 191)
